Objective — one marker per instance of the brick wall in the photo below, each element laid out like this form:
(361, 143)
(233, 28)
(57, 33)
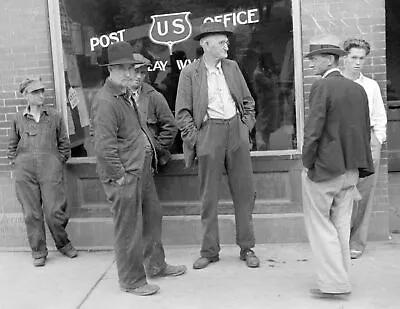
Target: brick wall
(24, 51)
(345, 19)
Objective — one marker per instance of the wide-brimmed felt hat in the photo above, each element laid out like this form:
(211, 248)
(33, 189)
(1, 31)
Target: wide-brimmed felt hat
(30, 84)
(211, 28)
(141, 61)
(325, 44)
(120, 53)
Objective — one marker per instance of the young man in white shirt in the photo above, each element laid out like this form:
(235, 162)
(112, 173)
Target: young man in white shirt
(356, 52)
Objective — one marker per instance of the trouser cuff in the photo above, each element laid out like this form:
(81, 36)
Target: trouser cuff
(39, 254)
(66, 248)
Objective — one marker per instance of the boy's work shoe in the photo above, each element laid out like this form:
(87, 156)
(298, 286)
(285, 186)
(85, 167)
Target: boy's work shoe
(355, 254)
(39, 262)
(69, 251)
(202, 262)
(319, 294)
(171, 271)
(144, 290)
(250, 257)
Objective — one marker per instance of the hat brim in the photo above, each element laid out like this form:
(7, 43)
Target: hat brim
(330, 51)
(204, 34)
(36, 85)
(120, 61)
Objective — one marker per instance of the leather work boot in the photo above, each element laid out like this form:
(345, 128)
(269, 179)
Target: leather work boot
(355, 254)
(250, 257)
(317, 293)
(144, 290)
(39, 262)
(69, 251)
(171, 271)
(202, 262)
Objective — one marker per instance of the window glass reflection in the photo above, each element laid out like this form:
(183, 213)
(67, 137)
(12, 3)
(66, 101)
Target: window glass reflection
(161, 30)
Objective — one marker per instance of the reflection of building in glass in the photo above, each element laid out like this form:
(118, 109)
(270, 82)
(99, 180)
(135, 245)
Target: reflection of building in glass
(266, 82)
(262, 45)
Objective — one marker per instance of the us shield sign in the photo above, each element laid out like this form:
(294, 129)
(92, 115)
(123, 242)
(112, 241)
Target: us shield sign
(170, 29)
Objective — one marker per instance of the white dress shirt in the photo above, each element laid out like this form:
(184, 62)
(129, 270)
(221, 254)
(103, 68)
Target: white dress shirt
(377, 112)
(220, 102)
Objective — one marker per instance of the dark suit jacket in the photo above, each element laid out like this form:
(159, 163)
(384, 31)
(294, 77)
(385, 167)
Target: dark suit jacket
(192, 101)
(337, 132)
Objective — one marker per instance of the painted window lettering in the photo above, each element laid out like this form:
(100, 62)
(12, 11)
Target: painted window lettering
(173, 28)
(170, 29)
(236, 18)
(105, 40)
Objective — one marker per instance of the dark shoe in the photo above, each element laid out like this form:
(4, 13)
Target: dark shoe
(319, 294)
(39, 262)
(250, 257)
(144, 290)
(171, 271)
(202, 262)
(355, 254)
(69, 251)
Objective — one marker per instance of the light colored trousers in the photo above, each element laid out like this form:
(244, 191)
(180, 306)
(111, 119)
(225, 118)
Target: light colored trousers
(327, 213)
(362, 209)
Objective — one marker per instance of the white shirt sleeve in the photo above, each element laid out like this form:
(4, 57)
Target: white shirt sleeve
(378, 115)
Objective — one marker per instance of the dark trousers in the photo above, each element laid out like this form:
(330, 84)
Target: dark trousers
(40, 191)
(362, 210)
(224, 144)
(126, 209)
(154, 256)
(137, 229)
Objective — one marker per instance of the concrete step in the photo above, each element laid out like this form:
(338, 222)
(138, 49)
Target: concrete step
(97, 233)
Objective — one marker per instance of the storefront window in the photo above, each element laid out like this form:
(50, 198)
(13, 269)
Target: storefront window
(161, 30)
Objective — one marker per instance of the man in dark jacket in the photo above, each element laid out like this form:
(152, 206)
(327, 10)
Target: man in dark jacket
(154, 108)
(161, 124)
(336, 153)
(122, 147)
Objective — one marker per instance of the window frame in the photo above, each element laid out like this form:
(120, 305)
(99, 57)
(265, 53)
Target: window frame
(61, 96)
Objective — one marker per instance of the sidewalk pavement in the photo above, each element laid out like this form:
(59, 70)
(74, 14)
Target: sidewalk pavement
(282, 281)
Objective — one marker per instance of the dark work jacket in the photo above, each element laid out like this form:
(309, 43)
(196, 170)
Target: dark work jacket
(160, 121)
(337, 132)
(119, 141)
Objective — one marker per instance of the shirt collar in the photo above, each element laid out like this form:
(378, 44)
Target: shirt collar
(330, 71)
(137, 92)
(360, 77)
(27, 111)
(210, 69)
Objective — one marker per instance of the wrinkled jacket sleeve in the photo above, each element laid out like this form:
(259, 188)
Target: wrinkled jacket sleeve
(184, 109)
(248, 101)
(106, 140)
(315, 123)
(165, 122)
(63, 143)
(14, 140)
